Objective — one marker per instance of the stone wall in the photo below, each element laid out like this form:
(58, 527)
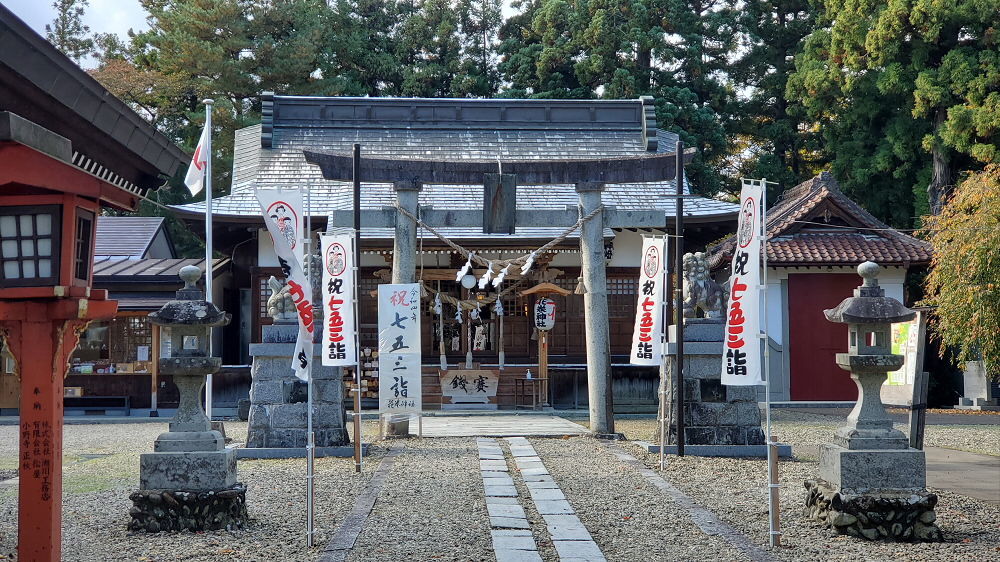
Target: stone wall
(714, 414)
(278, 398)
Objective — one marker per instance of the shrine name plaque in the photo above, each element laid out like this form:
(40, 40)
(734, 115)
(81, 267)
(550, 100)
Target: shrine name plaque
(469, 386)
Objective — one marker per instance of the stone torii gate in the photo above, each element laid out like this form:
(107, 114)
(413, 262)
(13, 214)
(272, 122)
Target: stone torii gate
(500, 214)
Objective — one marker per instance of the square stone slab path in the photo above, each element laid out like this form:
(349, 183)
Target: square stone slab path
(510, 528)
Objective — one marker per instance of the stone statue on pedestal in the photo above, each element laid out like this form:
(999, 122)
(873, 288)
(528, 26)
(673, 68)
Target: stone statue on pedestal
(701, 292)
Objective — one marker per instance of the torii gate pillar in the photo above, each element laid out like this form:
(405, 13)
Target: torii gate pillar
(404, 267)
(595, 303)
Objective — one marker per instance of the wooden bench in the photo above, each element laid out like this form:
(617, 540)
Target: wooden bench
(97, 404)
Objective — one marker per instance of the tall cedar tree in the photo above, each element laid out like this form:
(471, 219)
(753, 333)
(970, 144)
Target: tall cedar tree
(675, 50)
(772, 139)
(907, 92)
(67, 31)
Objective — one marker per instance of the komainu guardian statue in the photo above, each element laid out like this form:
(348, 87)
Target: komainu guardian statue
(280, 306)
(700, 290)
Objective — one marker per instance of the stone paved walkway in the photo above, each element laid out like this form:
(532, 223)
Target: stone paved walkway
(500, 426)
(510, 530)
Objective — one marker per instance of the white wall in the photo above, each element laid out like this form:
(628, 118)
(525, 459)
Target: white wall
(627, 249)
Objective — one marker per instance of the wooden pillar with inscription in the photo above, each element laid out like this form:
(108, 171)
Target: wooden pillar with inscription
(41, 336)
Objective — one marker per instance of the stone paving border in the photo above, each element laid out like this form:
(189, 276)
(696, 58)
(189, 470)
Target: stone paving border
(702, 517)
(570, 537)
(350, 528)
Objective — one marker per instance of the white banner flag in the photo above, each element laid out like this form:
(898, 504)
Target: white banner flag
(195, 178)
(399, 375)
(741, 362)
(282, 210)
(339, 343)
(647, 343)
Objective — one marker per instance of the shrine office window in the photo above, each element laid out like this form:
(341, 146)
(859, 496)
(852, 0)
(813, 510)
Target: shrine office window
(83, 261)
(29, 245)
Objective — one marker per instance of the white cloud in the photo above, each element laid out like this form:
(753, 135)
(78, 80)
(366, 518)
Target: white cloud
(103, 16)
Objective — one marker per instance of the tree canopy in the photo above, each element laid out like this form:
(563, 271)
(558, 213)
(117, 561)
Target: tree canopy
(964, 281)
(896, 97)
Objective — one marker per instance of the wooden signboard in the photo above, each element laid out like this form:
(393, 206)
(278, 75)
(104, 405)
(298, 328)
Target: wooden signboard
(469, 386)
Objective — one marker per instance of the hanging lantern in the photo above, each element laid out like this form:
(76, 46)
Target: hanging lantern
(545, 314)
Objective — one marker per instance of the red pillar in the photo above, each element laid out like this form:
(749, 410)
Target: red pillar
(39, 522)
(41, 336)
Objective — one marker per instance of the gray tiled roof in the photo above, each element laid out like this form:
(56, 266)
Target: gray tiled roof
(125, 237)
(304, 123)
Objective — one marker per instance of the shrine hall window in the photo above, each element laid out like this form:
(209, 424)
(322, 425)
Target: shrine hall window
(29, 245)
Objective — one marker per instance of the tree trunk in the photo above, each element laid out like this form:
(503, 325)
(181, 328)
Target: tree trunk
(941, 174)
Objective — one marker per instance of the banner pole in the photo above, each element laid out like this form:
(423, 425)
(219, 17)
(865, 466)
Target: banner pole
(357, 295)
(664, 336)
(773, 505)
(310, 434)
(679, 290)
(208, 243)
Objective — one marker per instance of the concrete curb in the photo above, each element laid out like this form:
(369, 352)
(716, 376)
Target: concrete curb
(735, 451)
(345, 451)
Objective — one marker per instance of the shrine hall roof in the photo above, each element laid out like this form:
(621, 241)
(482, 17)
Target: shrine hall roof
(814, 223)
(270, 154)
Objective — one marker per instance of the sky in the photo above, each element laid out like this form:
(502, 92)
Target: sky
(103, 16)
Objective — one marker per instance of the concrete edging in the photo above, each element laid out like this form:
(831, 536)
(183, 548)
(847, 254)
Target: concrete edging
(344, 451)
(735, 451)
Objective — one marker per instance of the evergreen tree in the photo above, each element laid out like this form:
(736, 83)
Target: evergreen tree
(539, 52)
(694, 95)
(771, 131)
(917, 79)
(365, 59)
(67, 32)
(479, 23)
(430, 46)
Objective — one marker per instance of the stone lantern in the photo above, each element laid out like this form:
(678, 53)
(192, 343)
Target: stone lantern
(872, 484)
(189, 480)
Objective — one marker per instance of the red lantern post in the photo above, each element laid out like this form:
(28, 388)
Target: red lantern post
(48, 211)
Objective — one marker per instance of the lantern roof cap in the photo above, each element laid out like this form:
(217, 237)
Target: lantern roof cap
(546, 289)
(869, 305)
(189, 308)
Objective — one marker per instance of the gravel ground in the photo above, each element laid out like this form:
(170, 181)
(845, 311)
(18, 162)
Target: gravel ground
(734, 489)
(432, 506)
(627, 516)
(96, 504)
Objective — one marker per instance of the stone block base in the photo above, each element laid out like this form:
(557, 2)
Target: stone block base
(855, 471)
(181, 510)
(901, 516)
(197, 471)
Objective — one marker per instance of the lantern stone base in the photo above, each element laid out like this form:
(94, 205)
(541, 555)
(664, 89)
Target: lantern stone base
(192, 470)
(900, 515)
(859, 470)
(155, 510)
